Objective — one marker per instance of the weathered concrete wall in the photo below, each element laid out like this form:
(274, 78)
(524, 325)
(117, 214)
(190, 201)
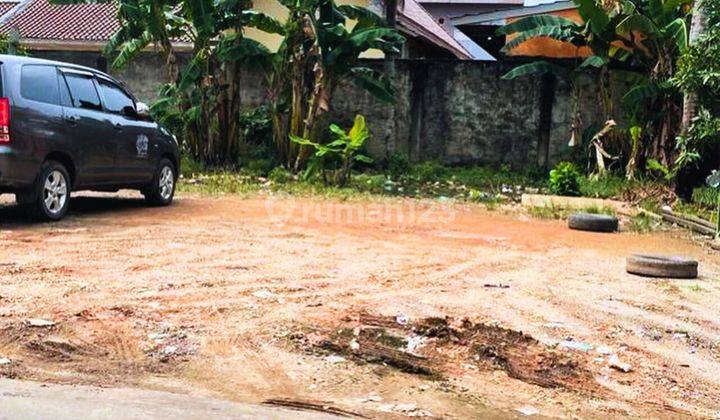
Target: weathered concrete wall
(144, 75)
(455, 112)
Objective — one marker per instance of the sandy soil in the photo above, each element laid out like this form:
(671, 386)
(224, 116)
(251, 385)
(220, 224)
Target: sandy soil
(302, 299)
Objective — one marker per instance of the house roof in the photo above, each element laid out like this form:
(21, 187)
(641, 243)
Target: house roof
(41, 20)
(42, 24)
(414, 19)
(498, 17)
(6, 6)
(90, 25)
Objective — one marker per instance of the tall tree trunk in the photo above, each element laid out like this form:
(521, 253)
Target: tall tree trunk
(697, 27)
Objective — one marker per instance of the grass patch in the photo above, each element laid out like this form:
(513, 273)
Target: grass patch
(426, 180)
(642, 223)
(696, 288)
(609, 186)
(559, 212)
(548, 212)
(595, 209)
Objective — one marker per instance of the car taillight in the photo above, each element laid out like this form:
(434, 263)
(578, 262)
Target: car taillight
(4, 120)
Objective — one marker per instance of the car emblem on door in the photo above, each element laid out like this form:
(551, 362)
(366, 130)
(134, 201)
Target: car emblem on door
(142, 145)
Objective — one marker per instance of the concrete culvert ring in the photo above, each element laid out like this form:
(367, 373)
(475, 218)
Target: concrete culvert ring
(662, 266)
(593, 222)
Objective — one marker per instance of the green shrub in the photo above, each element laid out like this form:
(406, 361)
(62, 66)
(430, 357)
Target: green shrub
(398, 165)
(608, 186)
(190, 166)
(565, 179)
(260, 167)
(705, 197)
(256, 125)
(429, 172)
(280, 175)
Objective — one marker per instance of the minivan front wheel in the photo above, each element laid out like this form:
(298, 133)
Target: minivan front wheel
(52, 192)
(162, 189)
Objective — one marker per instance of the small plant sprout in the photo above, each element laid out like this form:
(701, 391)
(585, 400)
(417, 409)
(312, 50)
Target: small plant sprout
(341, 154)
(713, 181)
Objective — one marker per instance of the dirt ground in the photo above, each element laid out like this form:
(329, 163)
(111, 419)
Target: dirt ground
(383, 309)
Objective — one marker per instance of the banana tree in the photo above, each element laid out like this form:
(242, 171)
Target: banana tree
(344, 148)
(202, 99)
(319, 51)
(646, 36)
(144, 23)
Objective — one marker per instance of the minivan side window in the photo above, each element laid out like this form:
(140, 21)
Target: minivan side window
(39, 83)
(115, 98)
(83, 92)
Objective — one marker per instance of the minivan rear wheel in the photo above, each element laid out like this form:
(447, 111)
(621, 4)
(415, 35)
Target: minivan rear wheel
(51, 192)
(162, 189)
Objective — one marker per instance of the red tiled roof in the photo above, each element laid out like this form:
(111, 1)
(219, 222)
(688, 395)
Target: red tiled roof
(41, 20)
(414, 19)
(6, 6)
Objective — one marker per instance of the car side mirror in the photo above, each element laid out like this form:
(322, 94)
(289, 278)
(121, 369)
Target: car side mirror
(130, 112)
(142, 111)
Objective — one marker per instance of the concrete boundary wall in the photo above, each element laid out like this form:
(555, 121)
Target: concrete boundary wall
(454, 112)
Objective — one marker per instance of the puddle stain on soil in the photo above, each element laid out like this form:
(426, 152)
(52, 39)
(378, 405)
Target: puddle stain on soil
(436, 346)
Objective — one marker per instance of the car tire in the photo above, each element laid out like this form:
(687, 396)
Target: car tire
(593, 222)
(662, 266)
(51, 193)
(162, 189)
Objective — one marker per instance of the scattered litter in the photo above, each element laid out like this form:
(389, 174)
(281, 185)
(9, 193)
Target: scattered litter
(411, 410)
(5, 361)
(604, 350)
(423, 387)
(372, 398)
(335, 359)
(40, 323)
(615, 363)
(527, 410)
(157, 336)
(497, 286)
(264, 294)
(314, 305)
(402, 319)
(354, 345)
(413, 343)
(554, 325)
(575, 345)
(321, 407)
(170, 350)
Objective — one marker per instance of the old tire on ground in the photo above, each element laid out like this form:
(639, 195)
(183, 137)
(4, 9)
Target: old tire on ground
(662, 266)
(593, 222)
(161, 190)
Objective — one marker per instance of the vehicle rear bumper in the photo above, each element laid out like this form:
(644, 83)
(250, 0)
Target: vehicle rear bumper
(17, 171)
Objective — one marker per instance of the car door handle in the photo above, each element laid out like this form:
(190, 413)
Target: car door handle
(71, 119)
(118, 126)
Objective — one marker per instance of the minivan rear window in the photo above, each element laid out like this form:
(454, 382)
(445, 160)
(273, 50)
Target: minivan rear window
(39, 83)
